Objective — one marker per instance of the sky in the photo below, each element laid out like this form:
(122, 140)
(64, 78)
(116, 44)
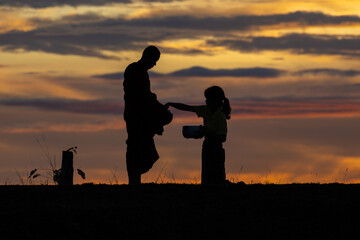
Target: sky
(290, 69)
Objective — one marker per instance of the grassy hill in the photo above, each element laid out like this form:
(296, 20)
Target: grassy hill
(180, 211)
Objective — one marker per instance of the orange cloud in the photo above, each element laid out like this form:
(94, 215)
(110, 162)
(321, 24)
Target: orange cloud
(10, 20)
(84, 127)
(285, 108)
(325, 107)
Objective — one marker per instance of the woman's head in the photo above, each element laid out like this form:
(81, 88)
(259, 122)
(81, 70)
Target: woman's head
(215, 98)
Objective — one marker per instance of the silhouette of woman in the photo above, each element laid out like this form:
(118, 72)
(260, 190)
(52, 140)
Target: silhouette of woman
(215, 113)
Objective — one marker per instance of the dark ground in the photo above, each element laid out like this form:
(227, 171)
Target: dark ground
(176, 211)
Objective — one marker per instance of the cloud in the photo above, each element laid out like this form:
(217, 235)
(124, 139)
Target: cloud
(288, 107)
(64, 44)
(68, 128)
(90, 34)
(297, 43)
(72, 3)
(205, 72)
(328, 71)
(103, 107)
(58, 3)
(120, 75)
(205, 24)
(244, 22)
(296, 107)
(87, 39)
(238, 72)
(248, 107)
(161, 1)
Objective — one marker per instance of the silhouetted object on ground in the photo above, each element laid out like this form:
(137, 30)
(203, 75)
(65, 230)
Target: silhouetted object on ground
(64, 175)
(215, 113)
(67, 169)
(144, 115)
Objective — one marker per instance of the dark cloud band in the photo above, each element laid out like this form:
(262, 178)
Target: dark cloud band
(295, 107)
(69, 105)
(328, 71)
(89, 35)
(297, 43)
(73, 3)
(57, 3)
(257, 72)
(205, 72)
(241, 107)
(245, 22)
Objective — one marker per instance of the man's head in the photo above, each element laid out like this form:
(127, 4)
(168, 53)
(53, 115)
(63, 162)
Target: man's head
(150, 56)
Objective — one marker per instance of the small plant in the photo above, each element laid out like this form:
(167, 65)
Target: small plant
(114, 177)
(161, 176)
(345, 175)
(267, 177)
(56, 173)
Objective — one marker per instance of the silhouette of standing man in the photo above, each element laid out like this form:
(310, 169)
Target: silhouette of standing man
(143, 114)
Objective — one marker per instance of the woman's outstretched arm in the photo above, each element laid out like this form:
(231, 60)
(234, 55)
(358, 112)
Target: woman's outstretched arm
(180, 106)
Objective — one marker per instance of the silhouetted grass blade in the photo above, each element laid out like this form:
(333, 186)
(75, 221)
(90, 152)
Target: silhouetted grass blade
(32, 173)
(36, 175)
(81, 173)
(56, 175)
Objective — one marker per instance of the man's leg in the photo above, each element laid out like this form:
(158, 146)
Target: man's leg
(141, 153)
(132, 156)
(134, 178)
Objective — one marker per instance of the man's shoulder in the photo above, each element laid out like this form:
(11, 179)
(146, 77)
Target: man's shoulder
(131, 66)
(135, 68)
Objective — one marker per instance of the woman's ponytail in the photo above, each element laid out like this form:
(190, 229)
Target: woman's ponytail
(226, 108)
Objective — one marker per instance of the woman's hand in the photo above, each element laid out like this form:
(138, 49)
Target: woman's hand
(167, 105)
